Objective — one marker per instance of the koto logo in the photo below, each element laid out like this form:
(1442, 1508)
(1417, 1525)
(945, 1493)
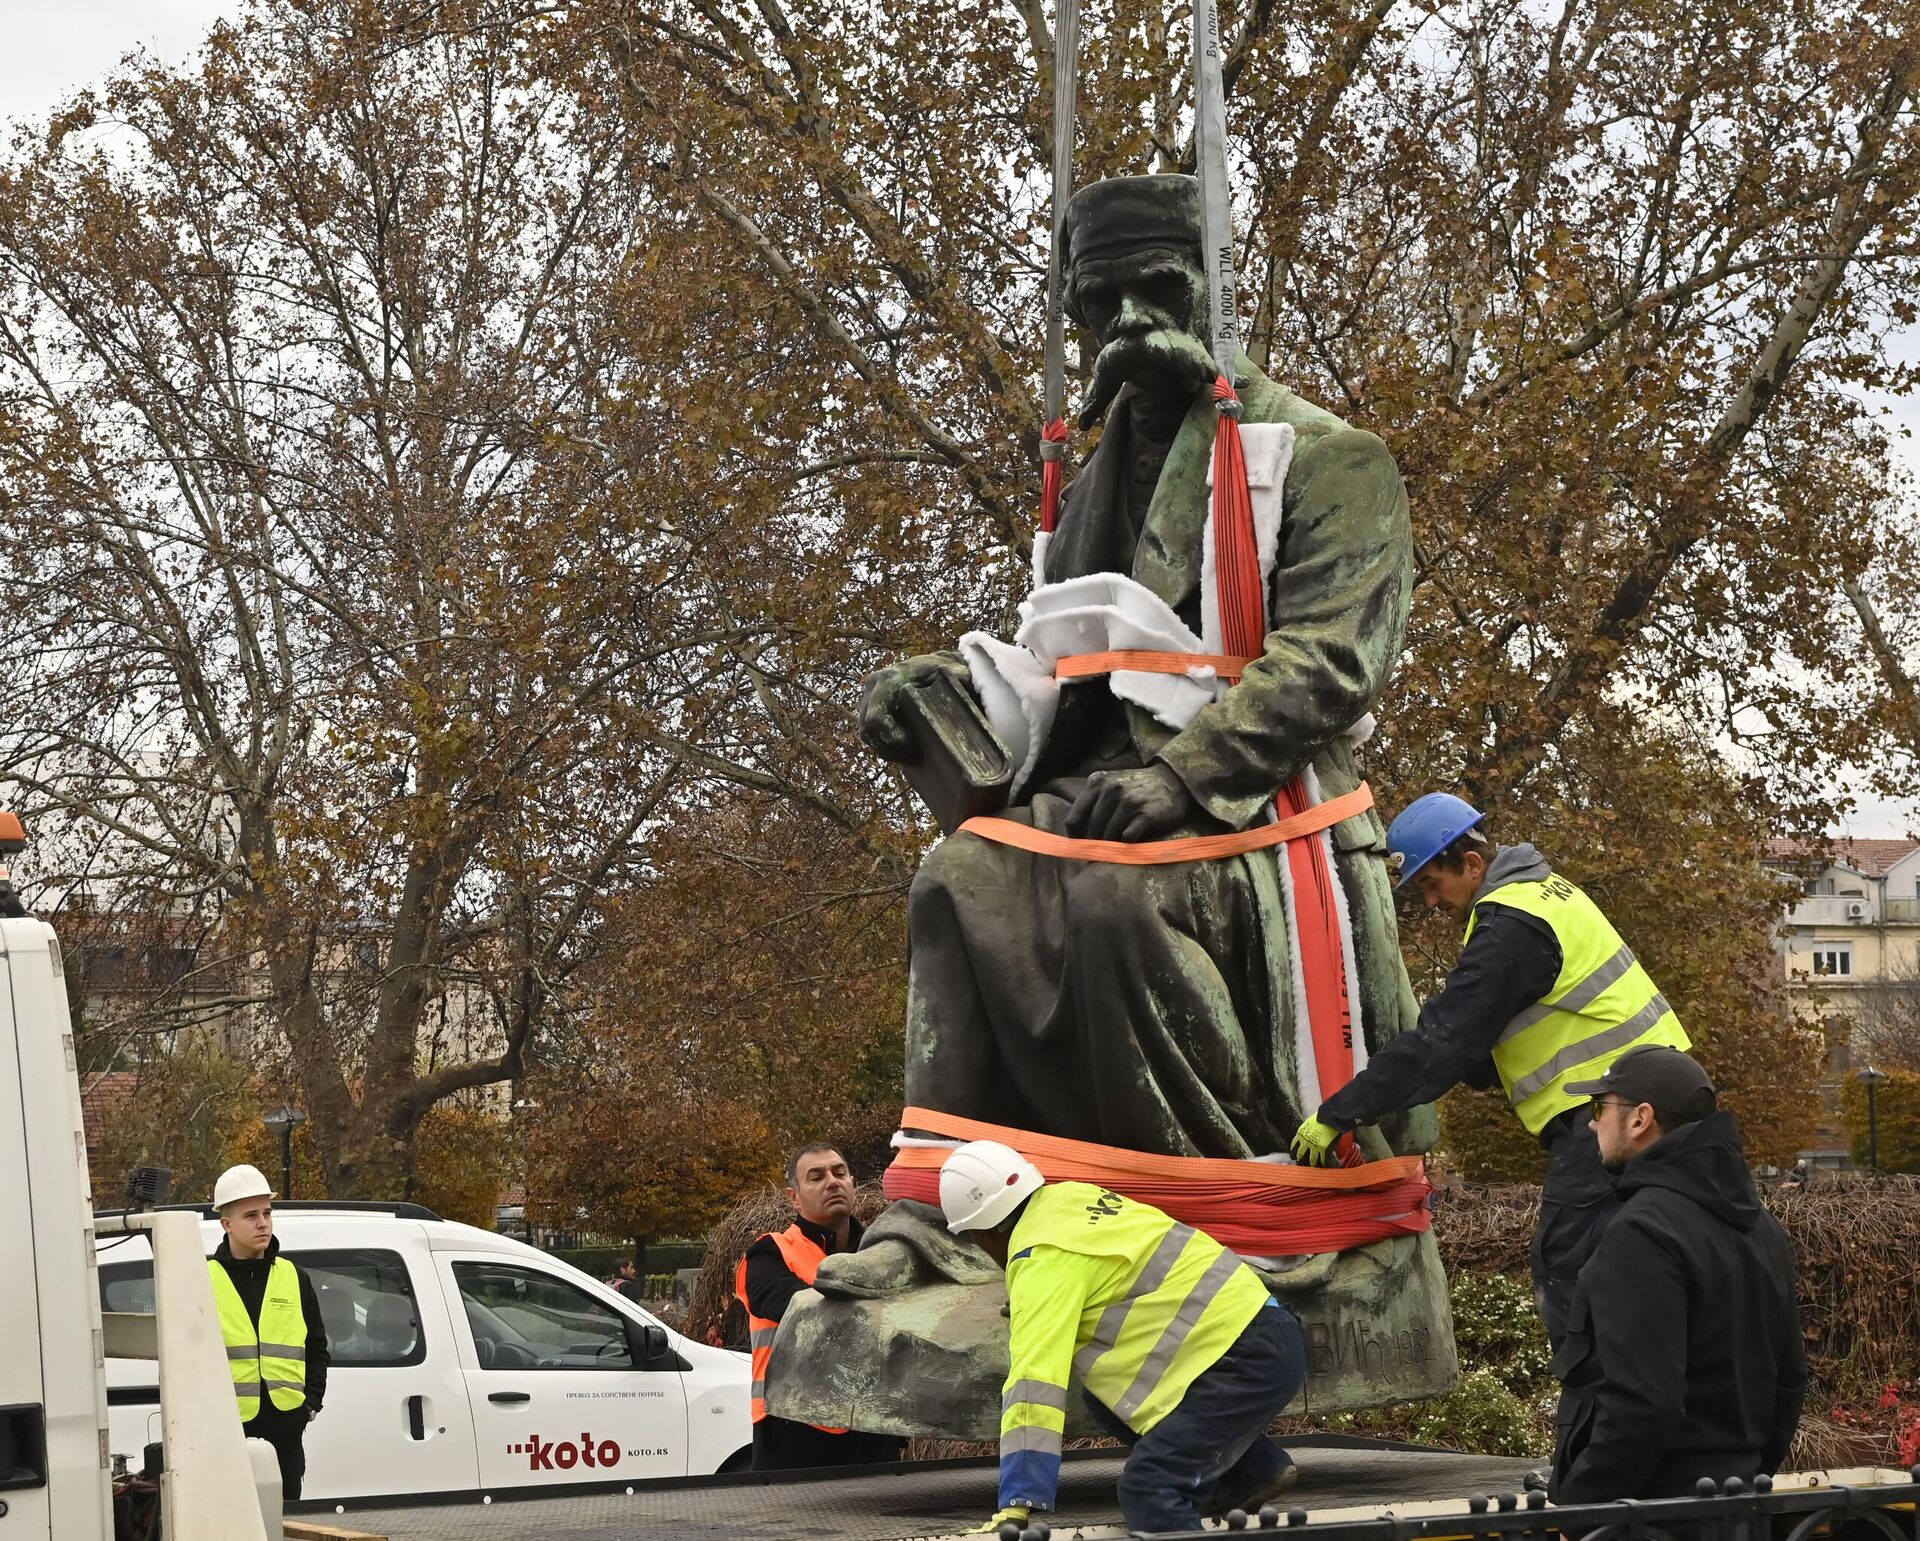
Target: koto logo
(564, 1454)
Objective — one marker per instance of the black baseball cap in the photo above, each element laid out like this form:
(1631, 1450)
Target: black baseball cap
(1673, 1082)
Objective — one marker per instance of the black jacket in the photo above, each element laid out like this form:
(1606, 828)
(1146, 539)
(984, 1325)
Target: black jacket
(250, 1284)
(1511, 961)
(1683, 1357)
(771, 1284)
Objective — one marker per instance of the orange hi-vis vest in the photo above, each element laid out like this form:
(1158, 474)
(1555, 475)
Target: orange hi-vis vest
(801, 1253)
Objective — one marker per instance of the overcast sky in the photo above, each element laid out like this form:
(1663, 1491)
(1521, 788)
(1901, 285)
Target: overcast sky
(54, 50)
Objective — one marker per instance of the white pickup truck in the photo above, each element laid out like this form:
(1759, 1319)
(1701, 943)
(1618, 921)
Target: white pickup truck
(54, 1473)
(464, 1361)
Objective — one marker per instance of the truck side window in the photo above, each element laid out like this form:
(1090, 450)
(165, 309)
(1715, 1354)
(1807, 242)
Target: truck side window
(366, 1300)
(127, 1286)
(523, 1319)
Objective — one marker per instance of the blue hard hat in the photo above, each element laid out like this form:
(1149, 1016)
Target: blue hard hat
(1425, 828)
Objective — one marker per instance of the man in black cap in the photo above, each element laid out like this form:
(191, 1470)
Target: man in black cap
(1683, 1357)
(1156, 1007)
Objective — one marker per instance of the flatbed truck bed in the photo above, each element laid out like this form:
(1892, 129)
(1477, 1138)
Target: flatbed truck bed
(939, 1500)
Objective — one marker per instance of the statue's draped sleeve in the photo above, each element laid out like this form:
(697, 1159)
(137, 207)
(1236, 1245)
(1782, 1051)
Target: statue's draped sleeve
(1339, 598)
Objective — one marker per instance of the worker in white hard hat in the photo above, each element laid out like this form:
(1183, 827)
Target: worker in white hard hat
(1182, 1351)
(270, 1318)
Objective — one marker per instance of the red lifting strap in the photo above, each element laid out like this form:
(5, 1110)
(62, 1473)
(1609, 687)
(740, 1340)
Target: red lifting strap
(1243, 627)
(1259, 1208)
(1053, 445)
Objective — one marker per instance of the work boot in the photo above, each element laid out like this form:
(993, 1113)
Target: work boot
(1248, 1498)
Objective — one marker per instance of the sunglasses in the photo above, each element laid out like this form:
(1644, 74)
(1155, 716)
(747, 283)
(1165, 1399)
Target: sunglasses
(1598, 1103)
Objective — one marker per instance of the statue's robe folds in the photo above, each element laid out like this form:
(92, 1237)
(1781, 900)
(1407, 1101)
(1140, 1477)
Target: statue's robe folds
(1151, 1006)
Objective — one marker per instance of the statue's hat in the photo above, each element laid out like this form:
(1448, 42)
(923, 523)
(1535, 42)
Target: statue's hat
(1123, 214)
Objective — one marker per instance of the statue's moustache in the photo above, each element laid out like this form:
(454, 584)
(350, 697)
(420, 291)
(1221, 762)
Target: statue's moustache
(1167, 359)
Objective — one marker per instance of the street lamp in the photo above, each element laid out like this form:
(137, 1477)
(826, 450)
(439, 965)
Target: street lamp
(283, 1120)
(1871, 1078)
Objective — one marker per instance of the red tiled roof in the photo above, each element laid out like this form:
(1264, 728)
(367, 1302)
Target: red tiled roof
(1871, 857)
(100, 1099)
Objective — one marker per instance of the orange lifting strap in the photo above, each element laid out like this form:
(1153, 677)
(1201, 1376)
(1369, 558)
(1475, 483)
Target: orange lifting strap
(1158, 853)
(1085, 665)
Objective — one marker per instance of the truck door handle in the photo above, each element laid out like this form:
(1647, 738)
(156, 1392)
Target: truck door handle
(508, 1396)
(417, 1417)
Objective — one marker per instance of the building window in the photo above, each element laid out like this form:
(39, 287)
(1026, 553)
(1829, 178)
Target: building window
(1834, 958)
(1824, 886)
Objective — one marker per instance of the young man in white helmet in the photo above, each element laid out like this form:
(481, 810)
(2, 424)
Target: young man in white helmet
(1183, 1352)
(269, 1311)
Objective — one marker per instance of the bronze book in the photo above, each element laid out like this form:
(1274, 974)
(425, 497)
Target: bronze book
(963, 768)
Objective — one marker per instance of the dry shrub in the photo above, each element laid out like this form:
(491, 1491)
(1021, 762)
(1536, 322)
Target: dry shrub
(1854, 1241)
(713, 1315)
(1826, 1444)
(1485, 1227)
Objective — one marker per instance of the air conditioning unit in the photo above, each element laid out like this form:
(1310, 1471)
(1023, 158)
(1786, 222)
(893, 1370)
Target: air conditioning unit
(1856, 909)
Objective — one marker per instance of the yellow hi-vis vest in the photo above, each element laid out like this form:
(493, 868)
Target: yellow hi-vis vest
(1137, 1303)
(1602, 1004)
(276, 1355)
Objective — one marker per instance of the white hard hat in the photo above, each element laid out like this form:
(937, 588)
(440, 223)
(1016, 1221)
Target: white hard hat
(983, 1182)
(240, 1182)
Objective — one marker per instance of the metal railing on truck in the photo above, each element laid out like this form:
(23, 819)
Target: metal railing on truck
(1860, 1504)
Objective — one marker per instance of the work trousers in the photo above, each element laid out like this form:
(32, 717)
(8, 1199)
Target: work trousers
(286, 1433)
(781, 1444)
(1577, 1200)
(1213, 1447)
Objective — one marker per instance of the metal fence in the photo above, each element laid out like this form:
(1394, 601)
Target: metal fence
(1882, 1506)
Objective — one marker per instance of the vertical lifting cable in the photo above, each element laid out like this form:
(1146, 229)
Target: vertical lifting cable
(1242, 590)
(1243, 618)
(1053, 433)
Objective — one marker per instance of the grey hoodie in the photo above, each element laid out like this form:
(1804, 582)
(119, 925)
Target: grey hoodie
(1520, 863)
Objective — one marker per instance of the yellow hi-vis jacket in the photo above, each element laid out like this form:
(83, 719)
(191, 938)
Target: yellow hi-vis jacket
(1136, 1302)
(1602, 1004)
(274, 1356)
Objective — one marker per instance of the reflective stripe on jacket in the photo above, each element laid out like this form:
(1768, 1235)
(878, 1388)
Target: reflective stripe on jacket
(801, 1253)
(1603, 1004)
(273, 1355)
(1135, 1302)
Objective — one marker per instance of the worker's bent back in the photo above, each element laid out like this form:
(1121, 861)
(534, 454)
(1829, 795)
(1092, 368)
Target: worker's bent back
(1136, 1302)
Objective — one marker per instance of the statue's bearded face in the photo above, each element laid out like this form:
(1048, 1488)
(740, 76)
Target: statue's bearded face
(1147, 309)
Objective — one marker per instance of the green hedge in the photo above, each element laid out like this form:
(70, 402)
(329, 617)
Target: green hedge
(1896, 1106)
(663, 1258)
(1485, 1143)
(1504, 1402)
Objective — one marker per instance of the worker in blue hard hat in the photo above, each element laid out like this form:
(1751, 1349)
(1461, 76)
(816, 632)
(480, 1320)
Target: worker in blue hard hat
(1544, 994)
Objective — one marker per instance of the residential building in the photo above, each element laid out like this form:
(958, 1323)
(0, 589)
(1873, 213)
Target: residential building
(1858, 919)
(1850, 948)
